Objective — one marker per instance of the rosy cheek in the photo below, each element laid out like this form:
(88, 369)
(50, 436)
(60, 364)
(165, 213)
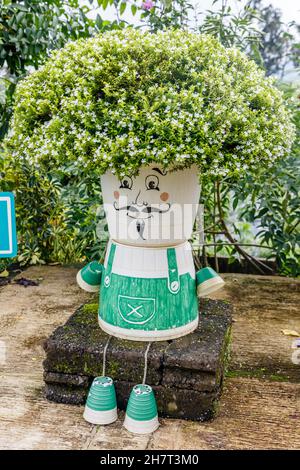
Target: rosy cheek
(116, 194)
(164, 196)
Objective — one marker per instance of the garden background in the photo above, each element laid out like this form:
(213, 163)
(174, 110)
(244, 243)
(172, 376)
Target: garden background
(253, 218)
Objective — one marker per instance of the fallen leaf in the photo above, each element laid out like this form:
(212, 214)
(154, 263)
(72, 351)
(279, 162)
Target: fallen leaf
(4, 273)
(290, 333)
(26, 282)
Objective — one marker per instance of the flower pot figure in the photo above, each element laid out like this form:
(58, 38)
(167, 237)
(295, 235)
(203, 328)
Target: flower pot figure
(147, 112)
(148, 284)
(141, 413)
(101, 404)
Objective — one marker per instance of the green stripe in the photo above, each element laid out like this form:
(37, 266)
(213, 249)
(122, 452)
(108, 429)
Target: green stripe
(110, 259)
(91, 273)
(141, 407)
(102, 398)
(205, 274)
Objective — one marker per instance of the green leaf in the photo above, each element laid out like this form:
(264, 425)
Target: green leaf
(235, 203)
(263, 211)
(123, 7)
(104, 4)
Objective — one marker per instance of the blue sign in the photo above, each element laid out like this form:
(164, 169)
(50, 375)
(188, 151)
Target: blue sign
(8, 237)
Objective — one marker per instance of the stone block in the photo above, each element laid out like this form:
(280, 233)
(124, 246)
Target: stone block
(186, 374)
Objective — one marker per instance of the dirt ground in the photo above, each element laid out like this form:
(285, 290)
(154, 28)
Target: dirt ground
(260, 406)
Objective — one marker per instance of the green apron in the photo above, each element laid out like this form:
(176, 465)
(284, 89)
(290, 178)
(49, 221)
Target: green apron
(148, 303)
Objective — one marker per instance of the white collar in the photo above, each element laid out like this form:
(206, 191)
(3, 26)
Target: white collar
(149, 262)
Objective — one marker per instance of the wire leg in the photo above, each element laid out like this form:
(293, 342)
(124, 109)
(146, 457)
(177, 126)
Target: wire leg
(104, 356)
(146, 362)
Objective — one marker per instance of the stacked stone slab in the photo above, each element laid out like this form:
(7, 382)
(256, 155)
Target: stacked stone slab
(186, 374)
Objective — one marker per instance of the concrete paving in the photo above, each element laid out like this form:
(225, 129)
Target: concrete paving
(260, 406)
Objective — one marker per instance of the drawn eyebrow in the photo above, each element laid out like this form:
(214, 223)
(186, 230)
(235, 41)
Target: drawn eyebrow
(159, 171)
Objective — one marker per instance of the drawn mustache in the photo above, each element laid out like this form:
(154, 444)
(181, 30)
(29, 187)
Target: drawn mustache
(146, 210)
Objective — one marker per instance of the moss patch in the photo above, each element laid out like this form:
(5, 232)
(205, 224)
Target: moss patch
(64, 367)
(90, 308)
(113, 368)
(86, 315)
(258, 374)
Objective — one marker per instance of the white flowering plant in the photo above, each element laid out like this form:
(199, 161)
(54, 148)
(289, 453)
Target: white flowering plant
(126, 98)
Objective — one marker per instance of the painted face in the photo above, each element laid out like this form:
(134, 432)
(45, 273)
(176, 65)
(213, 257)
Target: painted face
(154, 208)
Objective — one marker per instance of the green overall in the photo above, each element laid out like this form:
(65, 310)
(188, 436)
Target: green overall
(148, 303)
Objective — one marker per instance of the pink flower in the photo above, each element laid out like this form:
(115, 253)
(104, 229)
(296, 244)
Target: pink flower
(147, 4)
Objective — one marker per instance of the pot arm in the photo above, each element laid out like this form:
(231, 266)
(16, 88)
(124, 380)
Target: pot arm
(208, 281)
(89, 277)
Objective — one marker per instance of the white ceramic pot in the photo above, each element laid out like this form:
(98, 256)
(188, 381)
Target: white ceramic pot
(154, 208)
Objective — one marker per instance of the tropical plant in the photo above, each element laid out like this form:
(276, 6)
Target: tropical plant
(273, 203)
(278, 44)
(29, 29)
(270, 203)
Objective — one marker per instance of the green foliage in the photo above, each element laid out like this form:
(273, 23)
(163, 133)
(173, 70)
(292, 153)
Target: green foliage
(278, 42)
(57, 203)
(269, 202)
(55, 220)
(7, 89)
(56, 212)
(257, 30)
(277, 212)
(168, 14)
(273, 203)
(128, 98)
(29, 29)
(239, 29)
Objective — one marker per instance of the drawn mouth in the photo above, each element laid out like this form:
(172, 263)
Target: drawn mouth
(139, 218)
(140, 221)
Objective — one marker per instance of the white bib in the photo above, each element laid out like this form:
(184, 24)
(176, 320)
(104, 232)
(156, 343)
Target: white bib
(148, 262)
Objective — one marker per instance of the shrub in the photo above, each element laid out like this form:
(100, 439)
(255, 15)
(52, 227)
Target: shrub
(126, 98)
(121, 100)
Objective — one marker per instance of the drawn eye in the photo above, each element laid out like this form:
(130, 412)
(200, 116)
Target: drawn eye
(126, 183)
(152, 182)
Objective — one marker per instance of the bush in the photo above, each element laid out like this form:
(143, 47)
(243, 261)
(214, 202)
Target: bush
(126, 98)
(56, 212)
